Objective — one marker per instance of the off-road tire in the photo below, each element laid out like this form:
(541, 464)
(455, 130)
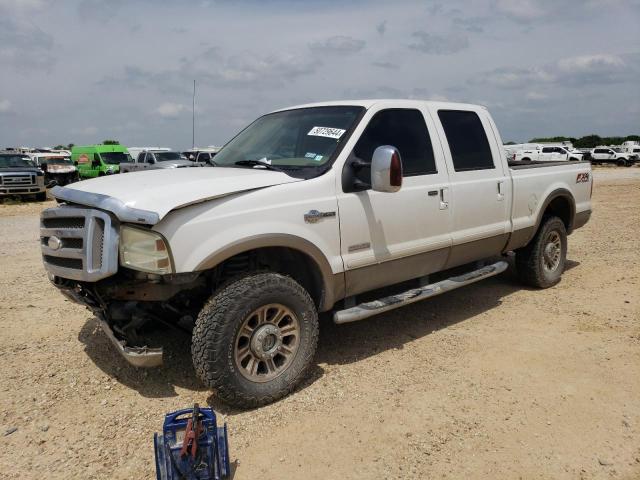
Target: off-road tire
(214, 337)
(530, 259)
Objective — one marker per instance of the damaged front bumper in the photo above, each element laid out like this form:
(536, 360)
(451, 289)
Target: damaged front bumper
(144, 357)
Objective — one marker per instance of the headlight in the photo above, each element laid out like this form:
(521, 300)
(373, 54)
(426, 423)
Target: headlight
(144, 250)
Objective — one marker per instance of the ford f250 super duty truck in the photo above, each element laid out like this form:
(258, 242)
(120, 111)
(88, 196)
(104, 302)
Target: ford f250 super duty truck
(305, 211)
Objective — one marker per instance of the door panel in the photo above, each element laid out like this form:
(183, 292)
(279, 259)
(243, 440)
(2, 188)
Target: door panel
(480, 186)
(391, 237)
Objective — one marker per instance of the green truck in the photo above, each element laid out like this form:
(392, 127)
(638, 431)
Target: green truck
(98, 160)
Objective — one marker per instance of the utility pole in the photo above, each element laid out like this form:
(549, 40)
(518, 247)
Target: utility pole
(193, 117)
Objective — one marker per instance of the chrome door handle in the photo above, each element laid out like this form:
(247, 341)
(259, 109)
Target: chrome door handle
(444, 198)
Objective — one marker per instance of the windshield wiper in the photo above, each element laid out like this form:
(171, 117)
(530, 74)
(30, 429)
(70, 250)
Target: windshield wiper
(253, 163)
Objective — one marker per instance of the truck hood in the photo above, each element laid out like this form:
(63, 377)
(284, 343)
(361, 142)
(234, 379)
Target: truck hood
(146, 197)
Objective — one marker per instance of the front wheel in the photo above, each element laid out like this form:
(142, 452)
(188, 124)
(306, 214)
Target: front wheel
(541, 263)
(41, 197)
(621, 162)
(255, 339)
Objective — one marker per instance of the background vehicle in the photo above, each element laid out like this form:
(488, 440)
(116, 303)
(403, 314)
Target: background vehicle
(19, 175)
(135, 151)
(99, 160)
(202, 155)
(612, 155)
(310, 209)
(57, 167)
(157, 159)
(547, 154)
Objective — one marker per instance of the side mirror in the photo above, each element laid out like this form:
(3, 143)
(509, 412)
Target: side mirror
(386, 169)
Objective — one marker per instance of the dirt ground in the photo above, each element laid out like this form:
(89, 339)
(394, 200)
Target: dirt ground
(492, 381)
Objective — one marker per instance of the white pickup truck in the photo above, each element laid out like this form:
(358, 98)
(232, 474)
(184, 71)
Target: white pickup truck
(546, 154)
(157, 159)
(306, 210)
(613, 155)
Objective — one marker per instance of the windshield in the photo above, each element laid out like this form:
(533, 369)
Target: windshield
(56, 160)
(292, 139)
(13, 161)
(115, 158)
(169, 156)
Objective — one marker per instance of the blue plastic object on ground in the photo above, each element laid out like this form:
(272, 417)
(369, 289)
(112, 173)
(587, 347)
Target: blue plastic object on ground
(208, 460)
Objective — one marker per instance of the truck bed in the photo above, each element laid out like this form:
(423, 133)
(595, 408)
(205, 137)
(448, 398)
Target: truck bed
(519, 165)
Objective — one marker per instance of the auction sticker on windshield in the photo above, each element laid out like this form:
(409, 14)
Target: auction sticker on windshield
(326, 132)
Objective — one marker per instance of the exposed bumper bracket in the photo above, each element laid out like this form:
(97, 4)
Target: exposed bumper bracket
(137, 356)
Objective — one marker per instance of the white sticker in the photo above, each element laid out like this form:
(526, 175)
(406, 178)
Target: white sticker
(326, 132)
(310, 155)
(318, 158)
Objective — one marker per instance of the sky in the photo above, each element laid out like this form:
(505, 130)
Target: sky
(88, 70)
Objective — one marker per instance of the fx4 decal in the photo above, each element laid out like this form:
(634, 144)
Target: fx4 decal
(582, 177)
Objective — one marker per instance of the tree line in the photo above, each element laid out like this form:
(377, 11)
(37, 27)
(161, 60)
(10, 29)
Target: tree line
(71, 145)
(588, 141)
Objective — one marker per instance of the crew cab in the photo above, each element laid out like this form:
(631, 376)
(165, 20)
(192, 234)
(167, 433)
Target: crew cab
(612, 155)
(310, 209)
(157, 159)
(547, 154)
(19, 175)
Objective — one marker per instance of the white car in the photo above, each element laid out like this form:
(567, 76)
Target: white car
(306, 210)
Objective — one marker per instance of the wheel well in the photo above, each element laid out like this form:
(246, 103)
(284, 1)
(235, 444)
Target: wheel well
(287, 261)
(562, 208)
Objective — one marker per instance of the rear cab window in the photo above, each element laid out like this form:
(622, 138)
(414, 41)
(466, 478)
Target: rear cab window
(467, 140)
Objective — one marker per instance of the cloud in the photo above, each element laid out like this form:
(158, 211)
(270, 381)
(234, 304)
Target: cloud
(436, 44)
(521, 10)
(339, 44)
(596, 69)
(241, 70)
(387, 65)
(470, 24)
(171, 110)
(24, 44)
(99, 10)
(84, 131)
(381, 28)
(5, 106)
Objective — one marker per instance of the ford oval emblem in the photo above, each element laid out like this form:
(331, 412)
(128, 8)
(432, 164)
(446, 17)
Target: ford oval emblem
(54, 243)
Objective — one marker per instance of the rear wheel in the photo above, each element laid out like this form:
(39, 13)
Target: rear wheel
(541, 263)
(255, 339)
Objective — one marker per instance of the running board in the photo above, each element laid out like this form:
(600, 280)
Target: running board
(369, 309)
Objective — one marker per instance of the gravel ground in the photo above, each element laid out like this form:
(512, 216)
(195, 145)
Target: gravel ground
(492, 381)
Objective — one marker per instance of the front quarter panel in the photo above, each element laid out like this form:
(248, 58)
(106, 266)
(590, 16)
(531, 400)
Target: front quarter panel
(201, 233)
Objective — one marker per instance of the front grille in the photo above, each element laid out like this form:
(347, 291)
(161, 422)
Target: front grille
(18, 180)
(63, 222)
(78, 243)
(74, 263)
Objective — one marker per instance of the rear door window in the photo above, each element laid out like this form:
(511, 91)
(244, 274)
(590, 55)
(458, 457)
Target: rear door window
(467, 140)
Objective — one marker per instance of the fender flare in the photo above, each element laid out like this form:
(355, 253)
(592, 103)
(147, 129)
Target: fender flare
(557, 193)
(332, 284)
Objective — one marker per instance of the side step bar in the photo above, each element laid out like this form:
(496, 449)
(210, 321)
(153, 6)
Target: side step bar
(369, 309)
